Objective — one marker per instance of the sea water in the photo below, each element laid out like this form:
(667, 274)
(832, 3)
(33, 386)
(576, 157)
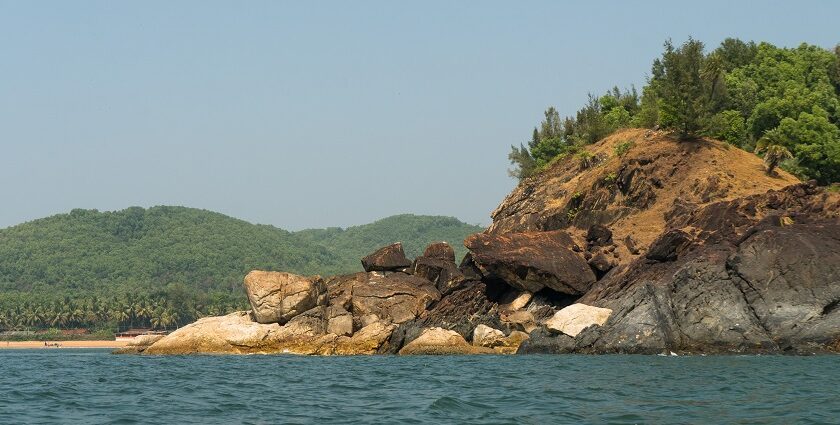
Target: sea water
(93, 386)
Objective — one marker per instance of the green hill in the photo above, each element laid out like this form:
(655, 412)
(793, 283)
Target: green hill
(187, 261)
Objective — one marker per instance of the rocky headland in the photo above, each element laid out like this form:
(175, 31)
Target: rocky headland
(651, 245)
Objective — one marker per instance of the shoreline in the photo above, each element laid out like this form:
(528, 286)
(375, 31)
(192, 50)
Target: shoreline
(12, 345)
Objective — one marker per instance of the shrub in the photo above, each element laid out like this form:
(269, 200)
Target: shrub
(622, 148)
(586, 159)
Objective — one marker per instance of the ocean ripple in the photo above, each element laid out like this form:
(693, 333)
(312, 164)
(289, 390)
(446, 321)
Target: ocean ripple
(92, 386)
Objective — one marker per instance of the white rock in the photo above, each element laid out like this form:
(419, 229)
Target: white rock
(485, 336)
(577, 317)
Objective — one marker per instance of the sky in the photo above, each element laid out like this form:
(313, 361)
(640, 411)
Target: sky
(317, 114)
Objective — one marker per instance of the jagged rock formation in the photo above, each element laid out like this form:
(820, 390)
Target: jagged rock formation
(695, 250)
(672, 246)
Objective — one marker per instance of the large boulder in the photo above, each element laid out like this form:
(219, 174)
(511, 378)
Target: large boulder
(371, 339)
(339, 321)
(440, 251)
(577, 317)
(276, 297)
(443, 273)
(235, 333)
(439, 341)
(387, 258)
(532, 261)
(485, 336)
(395, 298)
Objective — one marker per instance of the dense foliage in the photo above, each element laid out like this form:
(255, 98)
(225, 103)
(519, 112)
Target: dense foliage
(750, 95)
(165, 266)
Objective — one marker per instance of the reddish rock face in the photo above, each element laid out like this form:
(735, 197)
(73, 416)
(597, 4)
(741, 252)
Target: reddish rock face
(388, 258)
(532, 261)
(440, 251)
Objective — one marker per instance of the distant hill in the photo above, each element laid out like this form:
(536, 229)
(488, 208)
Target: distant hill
(177, 253)
(89, 249)
(414, 231)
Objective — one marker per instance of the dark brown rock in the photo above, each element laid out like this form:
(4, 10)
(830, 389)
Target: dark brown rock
(470, 269)
(443, 273)
(601, 263)
(532, 261)
(387, 258)
(441, 251)
(668, 246)
(598, 235)
(461, 311)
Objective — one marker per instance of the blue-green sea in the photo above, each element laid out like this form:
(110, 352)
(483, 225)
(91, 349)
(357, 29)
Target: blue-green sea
(93, 386)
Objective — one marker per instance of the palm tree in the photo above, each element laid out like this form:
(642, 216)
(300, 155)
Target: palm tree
(774, 152)
(713, 73)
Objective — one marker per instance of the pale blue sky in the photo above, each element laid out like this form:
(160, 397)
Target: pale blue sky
(314, 114)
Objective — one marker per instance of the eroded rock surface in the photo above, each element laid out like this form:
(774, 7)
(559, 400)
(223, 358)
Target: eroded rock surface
(387, 258)
(440, 251)
(532, 261)
(276, 297)
(746, 283)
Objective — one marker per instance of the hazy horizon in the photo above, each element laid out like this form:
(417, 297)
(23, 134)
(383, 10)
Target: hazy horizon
(328, 115)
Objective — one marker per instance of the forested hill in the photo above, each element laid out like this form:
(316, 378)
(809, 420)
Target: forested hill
(92, 250)
(191, 260)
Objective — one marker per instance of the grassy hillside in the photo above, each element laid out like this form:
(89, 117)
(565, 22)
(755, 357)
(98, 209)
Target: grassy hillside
(186, 260)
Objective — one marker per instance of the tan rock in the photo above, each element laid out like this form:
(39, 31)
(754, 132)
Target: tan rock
(485, 336)
(577, 317)
(396, 298)
(145, 340)
(371, 339)
(520, 320)
(276, 297)
(340, 321)
(235, 333)
(519, 302)
(441, 341)
(511, 343)
(138, 345)
(310, 323)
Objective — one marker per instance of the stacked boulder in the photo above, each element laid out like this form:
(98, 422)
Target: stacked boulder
(436, 307)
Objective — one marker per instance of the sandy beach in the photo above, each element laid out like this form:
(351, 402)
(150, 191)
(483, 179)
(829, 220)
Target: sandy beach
(62, 344)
